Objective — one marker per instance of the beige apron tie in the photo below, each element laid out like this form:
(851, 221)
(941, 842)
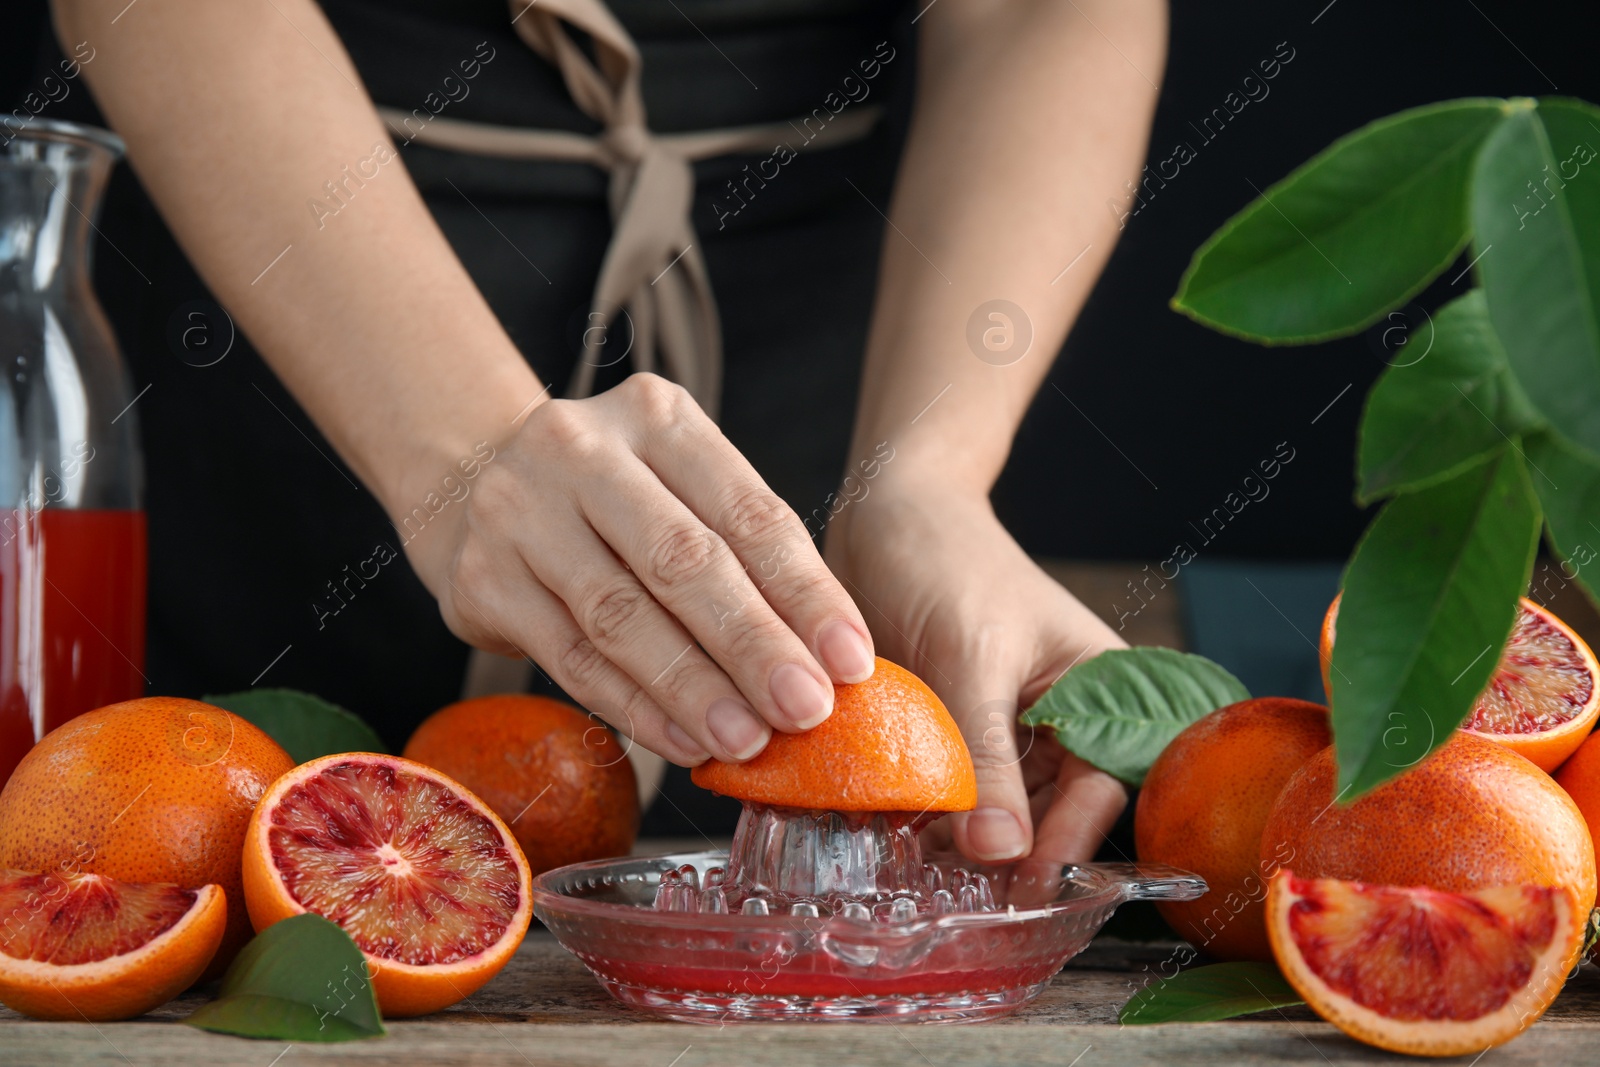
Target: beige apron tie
(653, 269)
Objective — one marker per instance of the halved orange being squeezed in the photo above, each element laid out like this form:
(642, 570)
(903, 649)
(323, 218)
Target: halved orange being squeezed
(423, 876)
(1542, 700)
(890, 745)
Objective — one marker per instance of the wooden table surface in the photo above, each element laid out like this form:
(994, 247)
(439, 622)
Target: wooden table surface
(545, 1009)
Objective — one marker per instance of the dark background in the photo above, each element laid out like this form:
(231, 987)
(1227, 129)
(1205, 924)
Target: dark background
(1166, 417)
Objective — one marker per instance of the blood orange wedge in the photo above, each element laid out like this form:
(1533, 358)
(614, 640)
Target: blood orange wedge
(1541, 701)
(1419, 970)
(84, 946)
(426, 880)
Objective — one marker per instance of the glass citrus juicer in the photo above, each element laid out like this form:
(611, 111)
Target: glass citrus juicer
(825, 907)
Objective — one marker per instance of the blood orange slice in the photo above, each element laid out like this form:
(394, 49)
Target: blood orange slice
(1543, 698)
(421, 874)
(89, 947)
(1419, 970)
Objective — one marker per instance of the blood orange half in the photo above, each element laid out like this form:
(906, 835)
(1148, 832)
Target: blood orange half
(421, 874)
(1541, 701)
(85, 946)
(1419, 970)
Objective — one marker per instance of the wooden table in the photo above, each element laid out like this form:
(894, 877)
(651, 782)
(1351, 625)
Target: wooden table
(546, 1010)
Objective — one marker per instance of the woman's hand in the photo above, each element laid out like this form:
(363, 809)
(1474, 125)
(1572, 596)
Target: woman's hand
(627, 547)
(953, 598)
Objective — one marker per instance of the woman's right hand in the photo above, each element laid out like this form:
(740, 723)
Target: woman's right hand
(624, 544)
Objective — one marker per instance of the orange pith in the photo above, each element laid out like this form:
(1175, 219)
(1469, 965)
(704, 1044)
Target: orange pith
(1543, 698)
(85, 946)
(889, 745)
(423, 876)
(1203, 806)
(1471, 816)
(1419, 970)
(158, 789)
(559, 779)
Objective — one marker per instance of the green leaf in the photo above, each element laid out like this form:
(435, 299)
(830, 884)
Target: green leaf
(1449, 406)
(1429, 599)
(1567, 479)
(306, 726)
(301, 979)
(1120, 709)
(1538, 235)
(1206, 994)
(1354, 232)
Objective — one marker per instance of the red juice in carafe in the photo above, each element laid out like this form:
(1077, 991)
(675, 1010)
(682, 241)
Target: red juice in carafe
(72, 603)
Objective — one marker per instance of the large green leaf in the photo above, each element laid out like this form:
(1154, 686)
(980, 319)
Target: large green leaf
(1429, 599)
(1354, 232)
(1536, 221)
(306, 726)
(301, 979)
(1567, 479)
(1120, 709)
(1449, 406)
(1206, 994)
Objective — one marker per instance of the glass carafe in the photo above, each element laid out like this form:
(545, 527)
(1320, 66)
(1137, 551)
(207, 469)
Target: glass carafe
(72, 524)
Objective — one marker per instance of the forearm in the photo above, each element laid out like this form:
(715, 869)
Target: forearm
(235, 118)
(1027, 120)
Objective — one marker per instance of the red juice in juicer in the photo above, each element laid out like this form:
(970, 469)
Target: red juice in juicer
(72, 525)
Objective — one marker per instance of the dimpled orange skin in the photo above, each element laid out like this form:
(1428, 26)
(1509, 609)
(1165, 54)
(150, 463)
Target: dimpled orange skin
(1580, 778)
(559, 779)
(158, 789)
(1471, 816)
(889, 745)
(1203, 806)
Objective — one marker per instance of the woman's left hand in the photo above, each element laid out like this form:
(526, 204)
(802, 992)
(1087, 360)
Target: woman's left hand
(952, 597)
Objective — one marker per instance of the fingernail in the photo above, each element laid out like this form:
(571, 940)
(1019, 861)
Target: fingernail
(736, 728)
(802, 699)
(686, 744)
(995, 834)
(845, 653)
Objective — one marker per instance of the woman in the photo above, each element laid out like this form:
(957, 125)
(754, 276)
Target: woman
(620, 540)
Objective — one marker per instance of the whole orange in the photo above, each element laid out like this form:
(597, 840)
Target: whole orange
(1580, 777)
(158, 789)
(890, 745)
(559, 779)
(1203, 806)
(1471, 816)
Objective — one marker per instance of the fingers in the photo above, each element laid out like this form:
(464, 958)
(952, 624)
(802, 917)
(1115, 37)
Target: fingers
(629, 630)
(692, 574)
(1085, 803)
(1000, 828)
(768, 539)
(570, 657)
(634, 588)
